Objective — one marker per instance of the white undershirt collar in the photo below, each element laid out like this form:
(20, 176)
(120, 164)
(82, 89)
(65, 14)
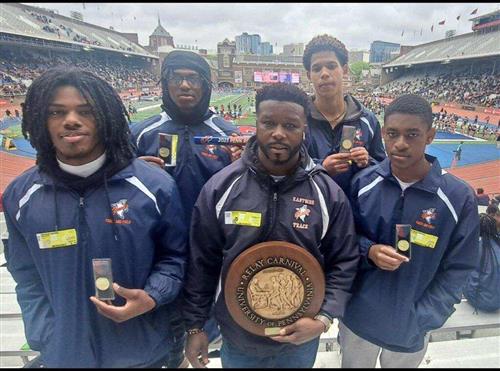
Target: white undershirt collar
(84, 170)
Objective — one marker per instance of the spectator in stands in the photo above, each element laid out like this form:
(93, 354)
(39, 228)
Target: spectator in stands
(8, 113)
(325, 59)
(398, 299)
(275, 161)
(186, 90)
(482, 198)
(88, 197)
(483, 289)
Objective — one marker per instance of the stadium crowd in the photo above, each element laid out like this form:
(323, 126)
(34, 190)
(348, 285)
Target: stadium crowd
(474, 89)
(50, 25)
(16, 69)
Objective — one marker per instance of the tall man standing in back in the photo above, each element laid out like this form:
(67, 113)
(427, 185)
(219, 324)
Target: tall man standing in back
(325, 59)
(186, 91)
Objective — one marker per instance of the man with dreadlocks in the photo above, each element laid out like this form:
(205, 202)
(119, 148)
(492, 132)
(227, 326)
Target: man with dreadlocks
(89, 198)
(186, 91)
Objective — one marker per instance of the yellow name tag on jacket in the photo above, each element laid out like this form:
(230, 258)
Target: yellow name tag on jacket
(52, 240)
(423, 239)
(245, 218)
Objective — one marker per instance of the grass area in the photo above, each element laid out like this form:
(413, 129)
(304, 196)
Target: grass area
(12, 132)
(217, 100)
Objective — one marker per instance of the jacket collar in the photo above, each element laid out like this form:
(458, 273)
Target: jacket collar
(354, 109)
(127, 172)
(430, 183)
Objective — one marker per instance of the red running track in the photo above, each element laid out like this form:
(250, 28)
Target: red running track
(11, 166)
(485, 175)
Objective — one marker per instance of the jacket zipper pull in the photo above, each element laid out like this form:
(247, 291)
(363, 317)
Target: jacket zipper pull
(275, 196)
(81, 201)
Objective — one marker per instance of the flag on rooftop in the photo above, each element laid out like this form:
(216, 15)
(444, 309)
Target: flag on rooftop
(474, 11)
(432, 28)
(442, 22)
(458, 18)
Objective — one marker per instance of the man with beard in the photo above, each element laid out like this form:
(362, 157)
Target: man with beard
(88, 198)
(282, 180)
(186, 90)
(325, 59)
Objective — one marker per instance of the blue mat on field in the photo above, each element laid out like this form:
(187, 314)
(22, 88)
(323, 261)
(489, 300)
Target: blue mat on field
(444, 135)
(9, 122)
(23, 148)
(471, 153)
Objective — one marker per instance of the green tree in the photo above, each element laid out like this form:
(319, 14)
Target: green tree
(357, 67)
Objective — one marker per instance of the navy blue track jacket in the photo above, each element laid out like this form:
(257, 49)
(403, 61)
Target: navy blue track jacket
(196, 163)
(54, 284)
(322, 141)
(244, 186)
(395, 309)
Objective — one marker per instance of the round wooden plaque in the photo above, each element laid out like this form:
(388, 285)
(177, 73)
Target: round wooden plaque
(272, 285)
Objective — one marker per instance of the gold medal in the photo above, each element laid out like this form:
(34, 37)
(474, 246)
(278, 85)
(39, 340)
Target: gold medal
(102, 283)
(347, 144)
(164, 152)
(403, 245)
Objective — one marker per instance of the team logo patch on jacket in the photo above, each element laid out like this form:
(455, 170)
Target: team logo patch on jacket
(119, 210)
(358, 138)
(428, 216)
(209, 151)
(301, 213)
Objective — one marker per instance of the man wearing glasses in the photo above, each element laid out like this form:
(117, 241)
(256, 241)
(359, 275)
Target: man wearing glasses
(186, 90)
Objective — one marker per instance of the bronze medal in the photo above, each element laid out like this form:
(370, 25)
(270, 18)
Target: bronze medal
(164, 152)
(102, 283)
(347, 144)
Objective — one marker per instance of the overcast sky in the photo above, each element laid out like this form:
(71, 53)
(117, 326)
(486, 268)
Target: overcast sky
(355, 24)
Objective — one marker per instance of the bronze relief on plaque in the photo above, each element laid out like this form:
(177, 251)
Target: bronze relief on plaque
(272, 285)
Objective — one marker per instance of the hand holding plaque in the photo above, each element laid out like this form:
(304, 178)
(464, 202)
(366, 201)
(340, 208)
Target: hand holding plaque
(273, 284)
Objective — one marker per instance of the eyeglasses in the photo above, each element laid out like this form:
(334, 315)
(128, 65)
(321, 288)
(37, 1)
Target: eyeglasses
(193, 80)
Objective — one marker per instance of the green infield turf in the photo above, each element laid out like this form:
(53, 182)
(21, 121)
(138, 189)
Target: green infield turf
(152, 108)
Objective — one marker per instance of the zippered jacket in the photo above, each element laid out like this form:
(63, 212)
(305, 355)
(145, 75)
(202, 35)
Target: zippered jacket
(324, 228)
(195, 163)
(395, 309)
(322, 141)
(135, 218)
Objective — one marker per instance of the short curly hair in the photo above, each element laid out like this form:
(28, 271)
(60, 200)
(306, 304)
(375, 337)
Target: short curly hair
(410, 104)
(322, 43)
(283, 93)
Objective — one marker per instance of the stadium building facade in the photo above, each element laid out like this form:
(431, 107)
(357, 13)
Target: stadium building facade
(382, 51)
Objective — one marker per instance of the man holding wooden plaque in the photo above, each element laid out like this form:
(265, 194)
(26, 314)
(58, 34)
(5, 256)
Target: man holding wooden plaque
(279, 233)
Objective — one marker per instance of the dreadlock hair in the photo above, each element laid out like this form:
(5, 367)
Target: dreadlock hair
(323, 43)
(283, 93)
(111, 116)
(488, 227)
(410, 104)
